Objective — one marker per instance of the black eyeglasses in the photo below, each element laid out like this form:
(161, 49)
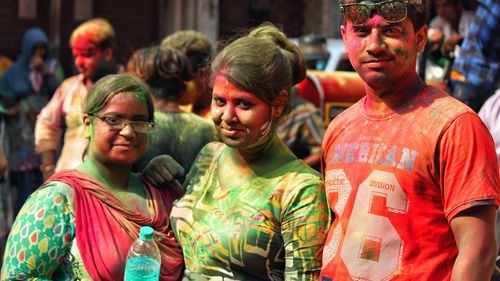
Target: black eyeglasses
(391, 11)
(117, 123)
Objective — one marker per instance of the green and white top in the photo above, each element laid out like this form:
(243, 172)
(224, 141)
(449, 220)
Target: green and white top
(271, 227)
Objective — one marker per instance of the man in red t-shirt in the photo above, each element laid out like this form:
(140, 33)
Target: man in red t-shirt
(410, 173)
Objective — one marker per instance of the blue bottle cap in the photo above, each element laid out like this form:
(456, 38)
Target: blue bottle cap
(146, 233)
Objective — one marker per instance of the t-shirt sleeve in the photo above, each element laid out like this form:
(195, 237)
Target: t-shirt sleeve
(468, 166)
(305, 221)
(40, 236)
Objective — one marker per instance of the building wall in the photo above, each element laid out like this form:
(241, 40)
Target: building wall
(322, 17)
(236, 16)
(201, 15)
(141, 23)
(135, 23)
(12, 27)
(297, 17)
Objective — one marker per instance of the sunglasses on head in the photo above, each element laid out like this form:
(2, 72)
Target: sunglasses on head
(391, 11)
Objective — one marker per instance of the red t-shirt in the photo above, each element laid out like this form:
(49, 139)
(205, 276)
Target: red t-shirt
(395, 182)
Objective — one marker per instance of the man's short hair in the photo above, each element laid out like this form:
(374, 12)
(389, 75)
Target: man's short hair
(98, 31)
(418, 14)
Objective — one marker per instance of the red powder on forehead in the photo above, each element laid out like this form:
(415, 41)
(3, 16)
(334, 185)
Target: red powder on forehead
(221, 78)
(84, 42)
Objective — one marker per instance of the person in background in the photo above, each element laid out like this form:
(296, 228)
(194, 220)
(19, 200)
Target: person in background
(198, 50)
(92, 44)
(7, 196)
(315, 52)
(25, 88)
(177, 133)
(5, 63)
(476, 70)
(252, 210)
(490, 114)
(410, 172)
(302, 130)
(451, 23)
(80, 224)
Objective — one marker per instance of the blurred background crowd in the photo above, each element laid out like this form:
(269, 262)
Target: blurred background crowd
(40, 47)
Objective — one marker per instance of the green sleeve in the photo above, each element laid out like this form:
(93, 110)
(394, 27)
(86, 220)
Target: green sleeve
(40, 236)
(305, 221)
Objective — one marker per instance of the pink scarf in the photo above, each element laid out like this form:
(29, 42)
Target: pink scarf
(105, 227)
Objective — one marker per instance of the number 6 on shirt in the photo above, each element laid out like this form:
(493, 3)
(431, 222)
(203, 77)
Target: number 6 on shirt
(372, 247)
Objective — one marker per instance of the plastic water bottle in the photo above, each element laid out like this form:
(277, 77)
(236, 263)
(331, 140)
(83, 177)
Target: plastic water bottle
(143, 259)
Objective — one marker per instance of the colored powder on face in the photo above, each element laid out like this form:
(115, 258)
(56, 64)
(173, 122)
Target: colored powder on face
(265, 131)
(84, 42)
(221, 79)
(266, 128)
(402, 53)
(139, 95)
(404, 33)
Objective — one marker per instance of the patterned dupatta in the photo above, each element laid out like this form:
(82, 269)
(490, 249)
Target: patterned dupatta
(106, 227)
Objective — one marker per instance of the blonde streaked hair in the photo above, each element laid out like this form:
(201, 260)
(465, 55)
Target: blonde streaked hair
(98, 30)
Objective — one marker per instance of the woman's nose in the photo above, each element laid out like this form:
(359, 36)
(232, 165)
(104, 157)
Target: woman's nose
(127, 130)
(228, 114)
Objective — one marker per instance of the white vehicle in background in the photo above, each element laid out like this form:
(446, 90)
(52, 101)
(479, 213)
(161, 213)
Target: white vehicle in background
(330, 89)
(334, 48)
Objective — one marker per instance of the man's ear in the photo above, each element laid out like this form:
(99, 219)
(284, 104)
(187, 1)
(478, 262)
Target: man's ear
(86, 124)
(108, 54)
(421, 36)
(342, 31)
(279, 104)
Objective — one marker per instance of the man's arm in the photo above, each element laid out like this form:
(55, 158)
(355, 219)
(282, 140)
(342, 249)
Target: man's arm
(49, 130)
(474, 231)
(313, 160)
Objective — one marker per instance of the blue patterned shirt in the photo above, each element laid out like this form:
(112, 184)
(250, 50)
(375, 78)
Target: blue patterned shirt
(479, 60)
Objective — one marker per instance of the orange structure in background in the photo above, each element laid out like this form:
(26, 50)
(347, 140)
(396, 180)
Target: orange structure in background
(5, 63)
(332, 92)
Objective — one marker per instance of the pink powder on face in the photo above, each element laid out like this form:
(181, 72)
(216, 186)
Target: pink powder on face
(84, 42)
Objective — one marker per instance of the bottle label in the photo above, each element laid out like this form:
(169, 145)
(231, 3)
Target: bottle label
(143, 269)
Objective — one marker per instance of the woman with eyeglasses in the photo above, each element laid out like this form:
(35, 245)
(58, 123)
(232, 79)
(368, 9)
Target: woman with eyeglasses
(80, 224)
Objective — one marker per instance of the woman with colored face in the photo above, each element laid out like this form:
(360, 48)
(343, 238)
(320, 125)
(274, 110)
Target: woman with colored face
(252, 210)
(80, 224)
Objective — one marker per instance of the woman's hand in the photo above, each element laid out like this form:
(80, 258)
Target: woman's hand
(191, 276)
(162, 169)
